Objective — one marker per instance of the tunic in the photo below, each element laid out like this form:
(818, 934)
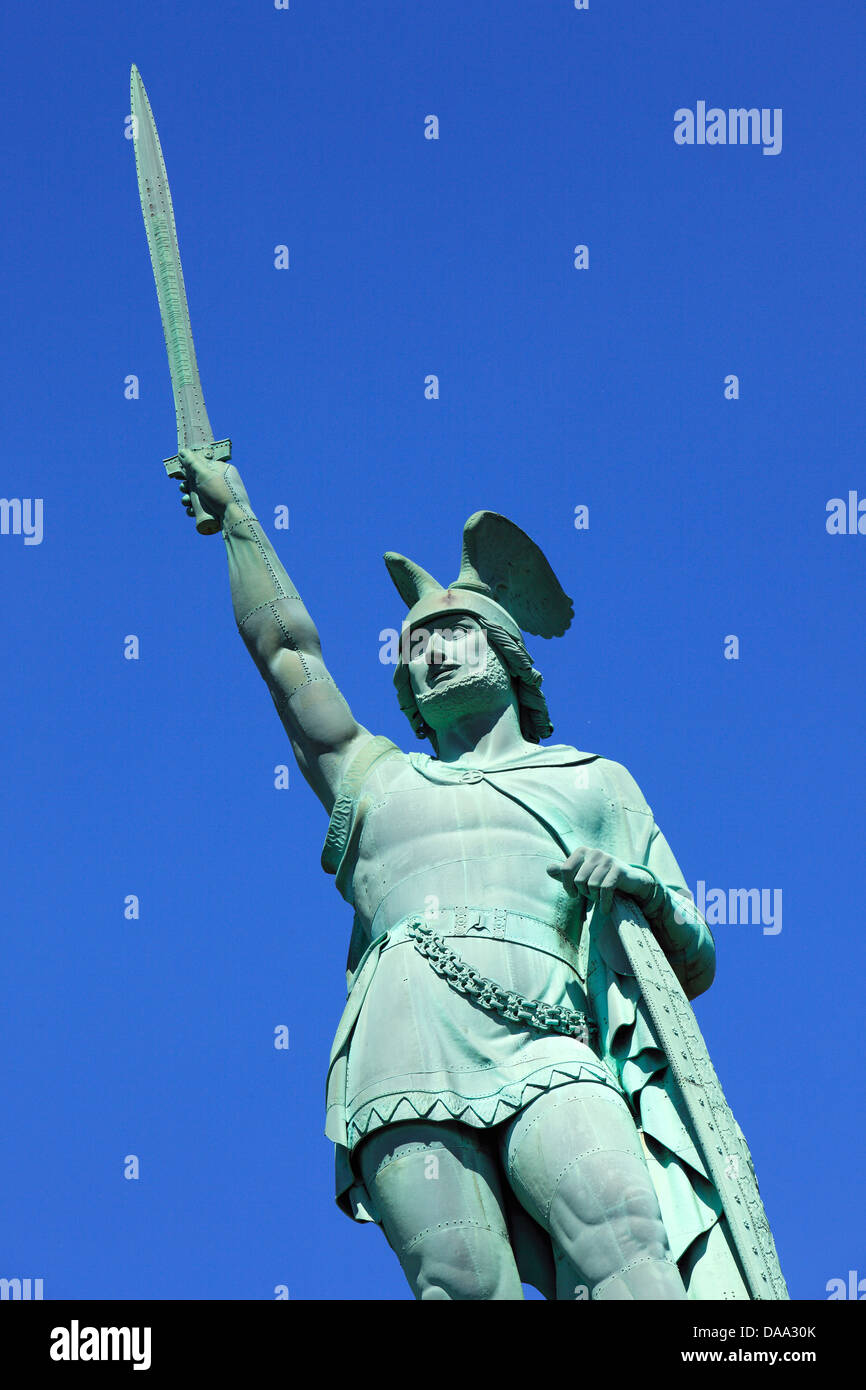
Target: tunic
(411, 836)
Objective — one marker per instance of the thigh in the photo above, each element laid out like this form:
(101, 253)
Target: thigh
(438, 1190)
(559, 1129)
(575, 1161)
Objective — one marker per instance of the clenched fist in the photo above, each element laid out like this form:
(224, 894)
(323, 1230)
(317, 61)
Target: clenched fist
(217, 483)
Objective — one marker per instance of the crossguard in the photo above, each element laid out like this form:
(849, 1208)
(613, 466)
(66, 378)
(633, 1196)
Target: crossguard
(220, 451)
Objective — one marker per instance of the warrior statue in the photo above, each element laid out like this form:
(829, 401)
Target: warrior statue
(500, 1099)
(518, 1090)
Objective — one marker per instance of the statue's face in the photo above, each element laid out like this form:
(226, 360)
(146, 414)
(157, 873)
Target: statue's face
(454, 671)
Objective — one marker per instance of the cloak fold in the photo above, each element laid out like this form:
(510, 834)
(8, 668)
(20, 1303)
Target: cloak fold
(639, 981)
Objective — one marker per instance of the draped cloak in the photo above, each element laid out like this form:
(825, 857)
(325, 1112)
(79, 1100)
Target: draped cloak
(708, 1248)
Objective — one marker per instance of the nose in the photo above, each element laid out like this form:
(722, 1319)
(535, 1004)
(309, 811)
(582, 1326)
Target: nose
(435, 649)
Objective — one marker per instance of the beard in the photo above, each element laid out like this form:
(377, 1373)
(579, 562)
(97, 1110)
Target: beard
(474, 689)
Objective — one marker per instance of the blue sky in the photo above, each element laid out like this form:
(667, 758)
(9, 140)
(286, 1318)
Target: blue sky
(558, 387)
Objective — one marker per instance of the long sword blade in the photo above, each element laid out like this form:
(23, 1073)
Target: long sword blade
(193, 426)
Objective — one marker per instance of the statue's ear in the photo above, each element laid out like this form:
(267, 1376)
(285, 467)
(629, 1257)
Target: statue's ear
(411, 581)
(501, 561)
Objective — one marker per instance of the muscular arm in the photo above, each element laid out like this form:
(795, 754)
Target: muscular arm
(281, 636)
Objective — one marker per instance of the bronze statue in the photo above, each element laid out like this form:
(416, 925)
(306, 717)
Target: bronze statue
(518, 1089)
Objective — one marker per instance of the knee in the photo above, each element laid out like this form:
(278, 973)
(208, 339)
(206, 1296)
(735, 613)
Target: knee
(462, 1261)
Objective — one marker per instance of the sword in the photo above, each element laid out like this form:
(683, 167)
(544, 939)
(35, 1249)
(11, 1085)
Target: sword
(193, 426)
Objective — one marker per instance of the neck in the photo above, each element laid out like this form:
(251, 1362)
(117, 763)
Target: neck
(488, 737)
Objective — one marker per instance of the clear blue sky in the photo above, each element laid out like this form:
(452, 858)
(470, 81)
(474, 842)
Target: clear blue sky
(558, 387)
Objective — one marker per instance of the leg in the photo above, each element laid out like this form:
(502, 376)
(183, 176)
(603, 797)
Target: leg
(438, 1189)
(574, 1160)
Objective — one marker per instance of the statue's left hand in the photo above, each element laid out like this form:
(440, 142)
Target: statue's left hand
(593, 874)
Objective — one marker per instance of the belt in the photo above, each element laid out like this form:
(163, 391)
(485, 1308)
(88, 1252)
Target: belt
(499, 924)
(492, 922)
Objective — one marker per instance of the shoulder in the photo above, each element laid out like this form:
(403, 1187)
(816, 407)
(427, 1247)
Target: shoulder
(623, 786)
(371, 755)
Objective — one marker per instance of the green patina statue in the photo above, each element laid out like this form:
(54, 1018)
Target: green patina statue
(518, 1089)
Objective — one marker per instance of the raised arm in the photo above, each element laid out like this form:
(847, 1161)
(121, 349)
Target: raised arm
(278, 631)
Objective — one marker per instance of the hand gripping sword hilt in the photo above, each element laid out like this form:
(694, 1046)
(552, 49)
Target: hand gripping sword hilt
(220, 451)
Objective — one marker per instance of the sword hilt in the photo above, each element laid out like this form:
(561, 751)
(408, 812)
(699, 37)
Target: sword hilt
(220, 451)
